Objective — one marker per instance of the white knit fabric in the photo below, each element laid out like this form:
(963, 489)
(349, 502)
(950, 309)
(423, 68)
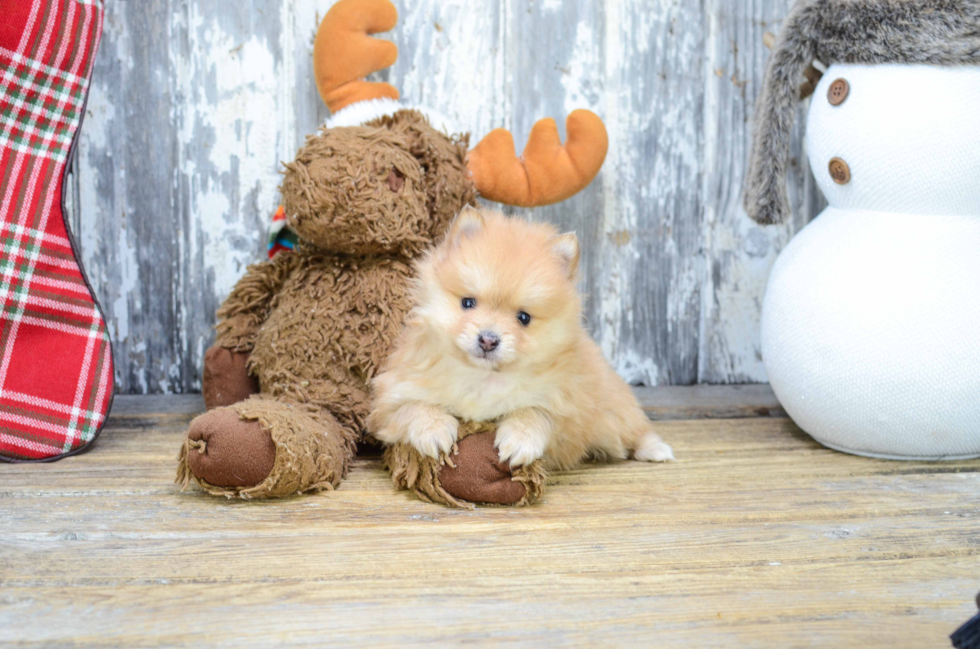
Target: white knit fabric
(871, 319)
(909, 134)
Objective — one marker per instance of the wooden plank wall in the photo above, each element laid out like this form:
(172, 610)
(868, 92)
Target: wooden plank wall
(195, 103)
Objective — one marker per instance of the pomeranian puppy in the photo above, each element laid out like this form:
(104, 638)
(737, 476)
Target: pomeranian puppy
(496, 335)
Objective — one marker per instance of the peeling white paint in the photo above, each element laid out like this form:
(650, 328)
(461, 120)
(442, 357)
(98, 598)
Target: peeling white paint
(458, 70)
(636, 369)
(237, 116)
(738, 253)
(676, 272)
(118, 275)
(579, 77)
(608, 318)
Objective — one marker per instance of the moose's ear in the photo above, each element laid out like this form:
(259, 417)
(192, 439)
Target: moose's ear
(565, 247)
(468, 222)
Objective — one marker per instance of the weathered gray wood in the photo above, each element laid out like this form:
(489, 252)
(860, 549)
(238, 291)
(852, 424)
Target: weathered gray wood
(142, 405)
(662, 402)
(177, 169)
(195, 103)
(668, 402)
(738, 253)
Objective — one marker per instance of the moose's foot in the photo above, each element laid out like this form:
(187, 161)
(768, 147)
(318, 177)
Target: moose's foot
(225, 450)
(264, 448)
(471, 473)
(478, 475)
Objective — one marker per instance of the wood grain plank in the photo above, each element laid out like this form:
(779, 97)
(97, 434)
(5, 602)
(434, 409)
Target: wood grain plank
(662, 402)
(728, 613)
(709, 401)
(756, 536)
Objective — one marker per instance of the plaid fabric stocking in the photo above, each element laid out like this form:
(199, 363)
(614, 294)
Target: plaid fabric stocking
(56, 375)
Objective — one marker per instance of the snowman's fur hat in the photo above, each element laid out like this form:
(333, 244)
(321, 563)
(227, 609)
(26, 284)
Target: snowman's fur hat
(935, 32)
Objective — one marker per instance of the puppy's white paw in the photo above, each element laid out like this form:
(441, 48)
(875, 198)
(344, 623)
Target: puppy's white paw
(519, 444)
(433, 435)
(653, 449)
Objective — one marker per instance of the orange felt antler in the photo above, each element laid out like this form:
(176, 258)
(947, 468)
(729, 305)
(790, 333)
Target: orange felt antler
(344, 53)
(547, 172)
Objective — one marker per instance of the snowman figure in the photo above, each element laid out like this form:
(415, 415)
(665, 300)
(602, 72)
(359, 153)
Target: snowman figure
(871, 318)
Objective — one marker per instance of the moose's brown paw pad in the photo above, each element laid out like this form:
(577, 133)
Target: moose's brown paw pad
(479, 475)
(227, 451)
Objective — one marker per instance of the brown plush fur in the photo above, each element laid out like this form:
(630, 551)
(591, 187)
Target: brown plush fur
(333, 322)
(338, 192)
(318, 323)
(313, 452)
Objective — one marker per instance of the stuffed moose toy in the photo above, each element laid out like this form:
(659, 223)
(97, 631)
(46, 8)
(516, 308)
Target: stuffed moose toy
(287, 382)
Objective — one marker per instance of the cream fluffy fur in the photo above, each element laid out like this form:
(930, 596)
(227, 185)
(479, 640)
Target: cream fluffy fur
(545, 382)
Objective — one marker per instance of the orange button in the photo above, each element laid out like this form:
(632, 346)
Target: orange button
(837, 92)
(839, 171)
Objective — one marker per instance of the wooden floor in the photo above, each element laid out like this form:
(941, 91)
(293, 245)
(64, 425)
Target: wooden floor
(756, 536)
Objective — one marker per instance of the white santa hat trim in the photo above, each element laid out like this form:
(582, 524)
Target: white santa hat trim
(365, 111)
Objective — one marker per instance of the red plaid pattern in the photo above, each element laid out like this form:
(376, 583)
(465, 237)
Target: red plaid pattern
(56, 374)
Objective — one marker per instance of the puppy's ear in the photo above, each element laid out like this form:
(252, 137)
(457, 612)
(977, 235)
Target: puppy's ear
(468, 222)
(565, 246)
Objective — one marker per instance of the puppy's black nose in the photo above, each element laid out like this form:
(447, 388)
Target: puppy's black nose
(488, 341)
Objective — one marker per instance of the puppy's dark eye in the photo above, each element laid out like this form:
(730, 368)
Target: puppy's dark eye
(469, 303)
(524, 318)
